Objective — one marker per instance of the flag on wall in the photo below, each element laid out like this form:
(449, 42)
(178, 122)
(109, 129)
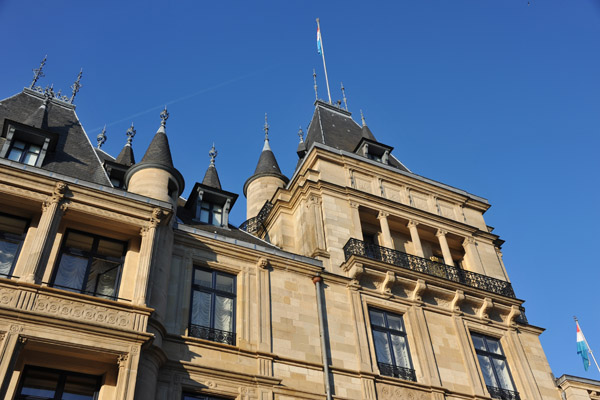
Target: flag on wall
(582, 348)
(319, 46)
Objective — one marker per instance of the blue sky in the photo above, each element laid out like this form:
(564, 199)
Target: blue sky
(499, 98)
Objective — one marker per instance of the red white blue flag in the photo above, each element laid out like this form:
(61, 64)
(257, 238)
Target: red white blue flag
(582, 347)
(319, 45)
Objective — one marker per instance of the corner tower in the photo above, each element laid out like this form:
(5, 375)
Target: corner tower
(265, 181)
(155, 176)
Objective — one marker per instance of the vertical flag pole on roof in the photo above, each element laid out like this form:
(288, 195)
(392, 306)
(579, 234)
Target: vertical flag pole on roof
(583, 348)
(321, 51)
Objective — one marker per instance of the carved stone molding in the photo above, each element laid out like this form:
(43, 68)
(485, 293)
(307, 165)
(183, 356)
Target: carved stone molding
(512, 315)
(412, 223)
(485, 308)
(459, 296)
(388, 392)
(156, 218)
(16, 328)
(468, 241)
(418, 290)
(441, 232)
(122, 360)
(354, 204)
(383, 214)
(262, 263)
(58, 194)
(388, 282)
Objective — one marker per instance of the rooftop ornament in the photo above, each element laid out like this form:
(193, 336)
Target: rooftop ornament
(38, 73)
(315, 81)
(76, 86)
(164, 116)
(362, 118)
(301, 135)
(266, 128)
(130, 134)
(213, 154)
(101, 138)
(344, 96)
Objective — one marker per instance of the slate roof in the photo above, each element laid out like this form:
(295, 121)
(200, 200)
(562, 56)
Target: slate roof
(102, 155)
(211, 178)
(126, 157)
(334, 127)
(73, 155)
(266, 166)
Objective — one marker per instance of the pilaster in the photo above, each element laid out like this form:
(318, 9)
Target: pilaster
(414, 237)
(441, 235)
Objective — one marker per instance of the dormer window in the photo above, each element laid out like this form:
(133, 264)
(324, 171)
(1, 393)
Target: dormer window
(210, 213)
(27, 145)
(23, 152)
(374, 150)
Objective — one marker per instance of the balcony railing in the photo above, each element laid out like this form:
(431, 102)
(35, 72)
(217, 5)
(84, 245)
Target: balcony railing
(255, 225)
(215, 335)
(407, 374)
(359, 248)
(503, 394)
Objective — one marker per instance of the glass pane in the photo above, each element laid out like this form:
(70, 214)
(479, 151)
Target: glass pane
(15, 154)
(225, 283)
(102, 280)
(493, 346)
(30, 158)
(79, 241)
(18, 144)
(110, 248)
(8, 250)
(382, 348)
(15, 226)
(204, 215)
(41, 384)
(376, 318)
(201, 306)
(478, 343)
(71, 272)
(503, 374)
(35, 149)
(80, 388)
(400, 349)
(224, 313)
(217, 218)
(395, 322)
(486, 369)
(203, 278)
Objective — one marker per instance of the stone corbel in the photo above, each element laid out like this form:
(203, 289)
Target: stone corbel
(485, 308)
(418, 291)
(262, 263)
(388, 282)
(512, 315)
(459, 296)
(58, 195)
(355, 273)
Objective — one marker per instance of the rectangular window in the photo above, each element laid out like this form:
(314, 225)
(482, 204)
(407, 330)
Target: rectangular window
(212, 315)
(494, 367)
(12, 235)
(210, 213)
(391, 345)
(51, 384)
(23, 152)
(90, 264)
(189, 396)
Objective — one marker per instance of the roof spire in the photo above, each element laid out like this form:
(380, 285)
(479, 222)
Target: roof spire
(213, 154)
(101, 138)
(38, 73)
(76, 86)
(266, 128)
(362, 118)
(130, 134)
(301, 134)
(344, 96)
(315, 80)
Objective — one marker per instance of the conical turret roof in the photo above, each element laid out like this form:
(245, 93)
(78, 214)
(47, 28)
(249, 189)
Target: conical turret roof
(267, 166)
(126, 157)
(211, 178)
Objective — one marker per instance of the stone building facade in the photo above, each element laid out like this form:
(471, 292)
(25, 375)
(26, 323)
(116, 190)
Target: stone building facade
(353, 279)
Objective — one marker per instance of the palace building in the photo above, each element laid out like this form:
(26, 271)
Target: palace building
(352, 278)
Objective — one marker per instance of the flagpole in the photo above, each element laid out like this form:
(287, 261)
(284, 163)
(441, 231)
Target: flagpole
(588, 345)
(324, 66)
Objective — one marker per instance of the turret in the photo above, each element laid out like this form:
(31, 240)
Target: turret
(155, 176)
(265, 181)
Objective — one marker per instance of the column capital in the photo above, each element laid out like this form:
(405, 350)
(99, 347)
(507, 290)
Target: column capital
(383, 214)
(468, 241)
(412, 223)
(354, 204)
(441, 232)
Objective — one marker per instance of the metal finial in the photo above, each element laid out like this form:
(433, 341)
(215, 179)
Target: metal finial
(339, 104)
(76, 86)
(266, 128)
(213, 154)
(48, 93)
(130, 134)
(164, 116)
(301, 134)
(362, 118)
(38, 73)
(315, 80)
(101, 138)
(344, 96)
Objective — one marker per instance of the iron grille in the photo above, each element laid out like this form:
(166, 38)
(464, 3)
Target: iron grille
(255, 225)
(503, 394)
(214, 335)
(407, 374)
(359, 248)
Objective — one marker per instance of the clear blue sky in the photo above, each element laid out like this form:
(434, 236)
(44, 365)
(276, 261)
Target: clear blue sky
(499, 98)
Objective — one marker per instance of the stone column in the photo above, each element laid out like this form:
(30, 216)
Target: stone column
(414, 237)
(148, 234)
(472, 257)
(441, 235)
(52, 210)
(12, 344)
(385, 229)
(147, 374)
(357, 234)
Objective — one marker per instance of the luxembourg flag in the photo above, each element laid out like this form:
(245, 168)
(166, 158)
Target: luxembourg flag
(582, 348)
(319, 45)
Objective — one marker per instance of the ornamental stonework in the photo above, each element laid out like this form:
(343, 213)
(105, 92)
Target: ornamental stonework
(388, 392)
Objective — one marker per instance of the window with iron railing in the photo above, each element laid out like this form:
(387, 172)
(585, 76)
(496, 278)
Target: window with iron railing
(12, 235)
(212, 314)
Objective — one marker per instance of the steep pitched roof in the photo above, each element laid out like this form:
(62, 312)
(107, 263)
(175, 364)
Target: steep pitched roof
(126, 157)
(334, 127)
(266, 166)
(73, 154)
(211, 177)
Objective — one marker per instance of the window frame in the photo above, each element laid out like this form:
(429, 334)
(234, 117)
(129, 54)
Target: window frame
(16, 132)
(394, 370)
(13, 240)
(200, 396)
(90, 257)
(211, 332)
(60, 385)
(211, 212)
(495, 392)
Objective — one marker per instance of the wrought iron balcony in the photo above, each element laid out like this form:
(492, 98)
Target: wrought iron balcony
(503, 394)
(255, 225)
(407, 374)
(359, 248)
(215, 335)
